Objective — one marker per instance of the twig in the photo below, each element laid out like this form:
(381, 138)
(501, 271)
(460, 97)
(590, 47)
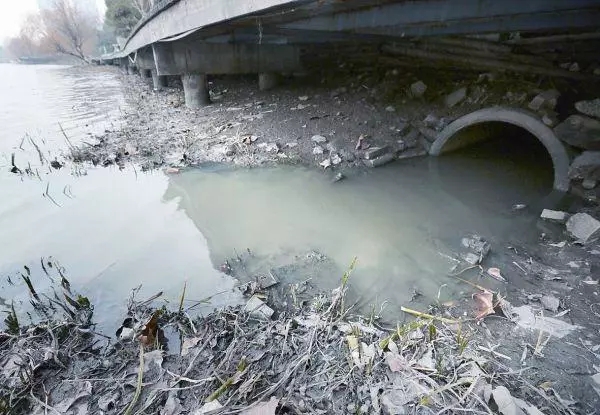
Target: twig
(138, 388)
(428, 316)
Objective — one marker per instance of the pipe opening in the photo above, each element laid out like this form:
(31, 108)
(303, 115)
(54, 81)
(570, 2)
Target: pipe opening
(526, 146)
(507, 148)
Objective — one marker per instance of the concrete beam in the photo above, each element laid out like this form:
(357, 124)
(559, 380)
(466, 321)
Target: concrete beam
(435, 12)
(186, 15)
(195, 89)
(179, 57)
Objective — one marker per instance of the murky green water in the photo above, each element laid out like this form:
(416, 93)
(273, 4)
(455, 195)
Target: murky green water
(114, 230)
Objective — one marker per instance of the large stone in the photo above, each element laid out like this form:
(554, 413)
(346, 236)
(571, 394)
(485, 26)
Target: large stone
(257, 308)
(580, 131)
(375, 152)
(586, 166)
(583, 227)
(591, 108)
(456, 97)
(380, 161)
(418, 89)
(554, 215)
(546, 99)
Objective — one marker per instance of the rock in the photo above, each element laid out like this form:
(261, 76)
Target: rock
(586, 166)
(471, 258)
(580, 131)
(410, 139)
(269, 147)
(390, 109)
(574, 67)
(230, 150)
(266, 281)
(257, 308)
(339, 176)
(325, 163)
(425, 143)
(336, 159)
(456, 97)
(476, 244)
(375, 152)
(418, 89)
(291, 144)
(430, 134)
(589, 184)
(347, 155)
(380, 161)
(546, 99)
(431, 121)
(554, 216)
(303, 98)
(549, 120)
(591, 108)
(317, 150)
(318, 139)
(550, 303)
(583, 227)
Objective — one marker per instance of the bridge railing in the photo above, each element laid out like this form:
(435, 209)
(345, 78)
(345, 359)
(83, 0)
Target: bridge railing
(158, 7)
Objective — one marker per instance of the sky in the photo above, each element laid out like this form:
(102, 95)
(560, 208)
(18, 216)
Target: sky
(14, 12)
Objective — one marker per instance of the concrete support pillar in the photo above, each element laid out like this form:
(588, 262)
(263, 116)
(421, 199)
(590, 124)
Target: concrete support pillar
(267, 80)
(195, 89)
(159, 81)
(145, 73)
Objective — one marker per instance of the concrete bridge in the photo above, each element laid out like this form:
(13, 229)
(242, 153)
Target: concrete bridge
(193, 38)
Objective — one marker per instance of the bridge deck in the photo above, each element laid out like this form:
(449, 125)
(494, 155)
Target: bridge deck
(297, 21)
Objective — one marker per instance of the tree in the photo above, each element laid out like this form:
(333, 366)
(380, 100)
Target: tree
(67, 30)
(121, 16)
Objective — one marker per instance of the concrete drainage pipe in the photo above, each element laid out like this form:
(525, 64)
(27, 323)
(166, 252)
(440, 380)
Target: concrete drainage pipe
(475, 127)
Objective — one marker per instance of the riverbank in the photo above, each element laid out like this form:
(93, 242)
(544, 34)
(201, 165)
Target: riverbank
(289, 350)
(543, 352)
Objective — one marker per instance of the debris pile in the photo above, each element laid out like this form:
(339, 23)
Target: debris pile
(315, 358)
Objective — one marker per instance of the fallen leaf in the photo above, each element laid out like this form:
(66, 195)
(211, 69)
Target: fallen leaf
(263, 408)
(484, 304)
(148, 334)
(495, 273)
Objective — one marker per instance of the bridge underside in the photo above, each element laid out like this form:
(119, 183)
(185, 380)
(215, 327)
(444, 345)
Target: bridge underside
(268, 36)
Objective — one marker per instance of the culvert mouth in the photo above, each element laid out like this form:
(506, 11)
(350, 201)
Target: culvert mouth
(511, 125)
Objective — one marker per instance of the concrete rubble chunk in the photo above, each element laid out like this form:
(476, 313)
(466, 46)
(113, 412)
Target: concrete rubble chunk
(554, 216)
(380, 161)
(375, 152)
(590, 108)
(418, 89)
(257, 308)
(318, 139)
(430, 134)
(456, 97)
(477, 245)
(317, 150)
(580, 131)
(586, 166)
(431, 121)
(550, 303)
(589, 184)
(583, 227)
(546, 99)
